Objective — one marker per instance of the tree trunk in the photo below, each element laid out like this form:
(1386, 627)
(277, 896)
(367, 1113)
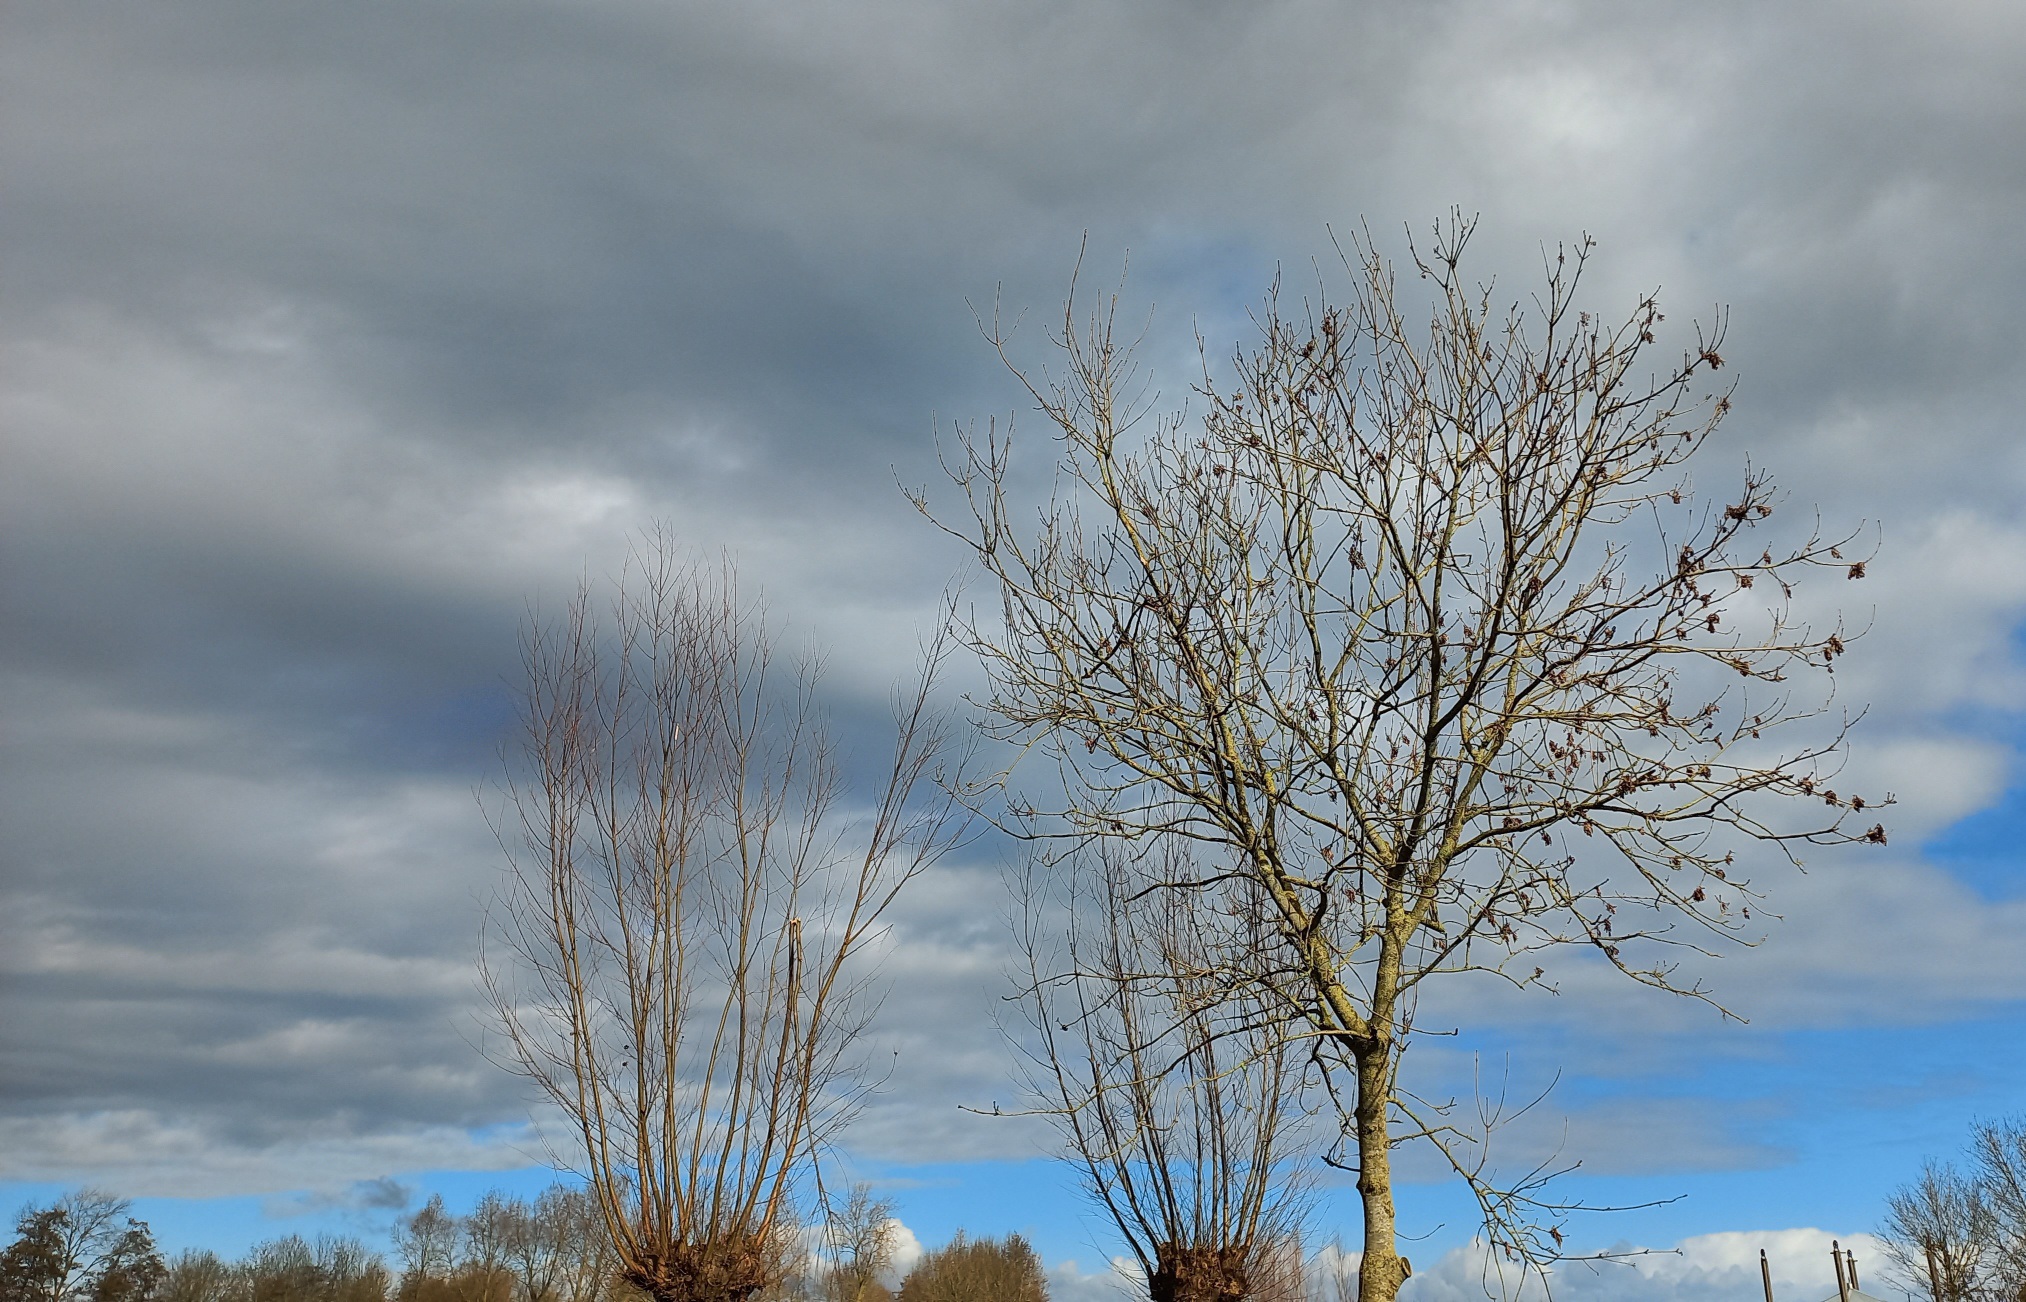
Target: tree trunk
(1190, 1274)
(1382, 1270)
(728, 1271)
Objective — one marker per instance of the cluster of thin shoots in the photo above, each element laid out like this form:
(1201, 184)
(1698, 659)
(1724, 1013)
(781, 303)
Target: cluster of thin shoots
(672, 961)
(1175, 1100)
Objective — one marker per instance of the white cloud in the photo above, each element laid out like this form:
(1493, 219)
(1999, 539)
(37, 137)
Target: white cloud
(1719, 1267)
(907, 1250)
(1117, 1281)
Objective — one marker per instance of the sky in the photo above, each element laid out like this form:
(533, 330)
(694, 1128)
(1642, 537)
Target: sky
(337, 338)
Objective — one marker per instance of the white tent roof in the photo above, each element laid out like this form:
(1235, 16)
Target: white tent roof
(1855, 1296)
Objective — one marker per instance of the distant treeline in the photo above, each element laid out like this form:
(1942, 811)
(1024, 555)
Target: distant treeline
(86, 1247)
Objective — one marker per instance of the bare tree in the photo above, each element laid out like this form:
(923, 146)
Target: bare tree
(860, 1236)
(569, 1222)
(535, 1254)
(196, 1275)
(350, 1272)
(485, 1271)
(977, 1270)
(427, 1243)
(1427, 636)
(82, 1246)
(332, 1269)
(1998, 1168)
(1170, 1094)
(556, 1246)
(687, 913)
(1937, 1231)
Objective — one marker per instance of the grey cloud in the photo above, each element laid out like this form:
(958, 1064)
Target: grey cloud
(364, 1196)
(384, 1194)
(341, 333)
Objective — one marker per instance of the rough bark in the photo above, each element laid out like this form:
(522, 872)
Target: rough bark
(1183, 1273)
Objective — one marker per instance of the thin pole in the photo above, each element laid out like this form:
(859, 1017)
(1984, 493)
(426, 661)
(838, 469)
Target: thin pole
(1851, 1258)
(1766, 1274)
(1842, 1280)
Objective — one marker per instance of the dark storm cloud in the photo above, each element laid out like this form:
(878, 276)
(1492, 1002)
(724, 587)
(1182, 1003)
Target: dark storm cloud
(337, 333)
